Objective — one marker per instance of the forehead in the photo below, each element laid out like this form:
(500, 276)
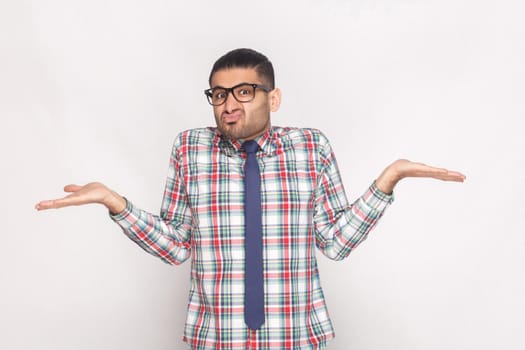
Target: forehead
(229, 77)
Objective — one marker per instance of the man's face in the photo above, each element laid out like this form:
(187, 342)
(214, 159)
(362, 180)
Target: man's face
(246, 121)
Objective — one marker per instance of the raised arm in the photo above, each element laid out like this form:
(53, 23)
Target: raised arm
(166, 236)
(341, 227)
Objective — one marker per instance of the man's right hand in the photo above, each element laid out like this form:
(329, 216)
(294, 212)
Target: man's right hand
(93, 192)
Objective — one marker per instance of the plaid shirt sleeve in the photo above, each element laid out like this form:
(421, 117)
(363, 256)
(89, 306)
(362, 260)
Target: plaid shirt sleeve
(340, 227)
(167, 236)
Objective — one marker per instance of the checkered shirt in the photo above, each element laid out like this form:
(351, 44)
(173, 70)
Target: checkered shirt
(304, 206)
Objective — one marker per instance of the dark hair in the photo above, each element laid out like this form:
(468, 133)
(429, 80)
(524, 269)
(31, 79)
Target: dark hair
(246, 58)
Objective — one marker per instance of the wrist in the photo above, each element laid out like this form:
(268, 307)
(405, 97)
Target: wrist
(115, 203)
(387, 180)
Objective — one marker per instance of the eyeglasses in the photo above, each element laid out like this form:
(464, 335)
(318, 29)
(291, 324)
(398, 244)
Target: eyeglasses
(243, 93)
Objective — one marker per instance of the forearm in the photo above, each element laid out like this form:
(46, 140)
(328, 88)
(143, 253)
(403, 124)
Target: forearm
(168, 240)
(351, 226)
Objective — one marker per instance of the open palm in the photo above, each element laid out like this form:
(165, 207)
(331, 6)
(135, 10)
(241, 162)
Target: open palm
(93, 192)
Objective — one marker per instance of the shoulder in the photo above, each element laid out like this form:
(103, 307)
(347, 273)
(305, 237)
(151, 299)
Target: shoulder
(190, 137)
(307, 140)
(193, 140)
(296, 136)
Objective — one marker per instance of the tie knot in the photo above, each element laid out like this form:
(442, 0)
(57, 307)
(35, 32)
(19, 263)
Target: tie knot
(250, 146)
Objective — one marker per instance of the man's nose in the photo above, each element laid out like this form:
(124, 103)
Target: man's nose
(231, 103)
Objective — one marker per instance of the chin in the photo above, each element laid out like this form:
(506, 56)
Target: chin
(228, 134)
(231, 132)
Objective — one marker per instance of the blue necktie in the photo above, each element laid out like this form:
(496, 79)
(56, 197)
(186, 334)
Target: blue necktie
(253, 273)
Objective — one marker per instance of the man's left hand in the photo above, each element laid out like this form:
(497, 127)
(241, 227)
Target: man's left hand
(403, 168)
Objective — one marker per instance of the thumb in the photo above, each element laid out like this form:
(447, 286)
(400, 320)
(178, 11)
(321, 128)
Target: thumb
(72, 188)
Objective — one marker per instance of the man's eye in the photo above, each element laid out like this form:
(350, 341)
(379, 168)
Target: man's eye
(244, 92)
(219, 95)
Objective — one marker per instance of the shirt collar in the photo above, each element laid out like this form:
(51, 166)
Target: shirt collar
(267, 142)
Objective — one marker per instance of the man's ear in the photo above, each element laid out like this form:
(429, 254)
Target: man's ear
(275, 99)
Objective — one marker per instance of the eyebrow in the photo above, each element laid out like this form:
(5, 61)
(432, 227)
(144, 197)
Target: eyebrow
(222, 87)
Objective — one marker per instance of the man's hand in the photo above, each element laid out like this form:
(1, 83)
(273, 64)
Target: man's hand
(93, 192)
(402, 168)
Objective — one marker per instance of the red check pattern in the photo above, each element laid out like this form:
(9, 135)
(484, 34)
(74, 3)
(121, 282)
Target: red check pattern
(304, 206)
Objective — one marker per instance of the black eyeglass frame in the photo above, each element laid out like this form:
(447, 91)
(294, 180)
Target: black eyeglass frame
(209, 92)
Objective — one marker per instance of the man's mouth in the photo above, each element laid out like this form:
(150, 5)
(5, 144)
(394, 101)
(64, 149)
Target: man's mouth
(231, 118)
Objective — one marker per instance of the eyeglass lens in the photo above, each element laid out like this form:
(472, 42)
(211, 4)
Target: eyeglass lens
(242, 93)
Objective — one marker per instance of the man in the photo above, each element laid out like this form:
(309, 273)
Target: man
(250, 202)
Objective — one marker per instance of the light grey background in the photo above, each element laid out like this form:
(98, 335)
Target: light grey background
(98, 90)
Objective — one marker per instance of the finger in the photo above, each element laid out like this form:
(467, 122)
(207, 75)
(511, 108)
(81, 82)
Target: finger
(457, 177)
(420, 169)
(454, 175)
(47, 204)
(72, 188)
(439, 174)
(457, 173)
(430, 171)
(427, 172)
(428, 168)
(57, 203)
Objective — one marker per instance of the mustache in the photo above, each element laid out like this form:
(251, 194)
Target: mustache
(233, 112)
